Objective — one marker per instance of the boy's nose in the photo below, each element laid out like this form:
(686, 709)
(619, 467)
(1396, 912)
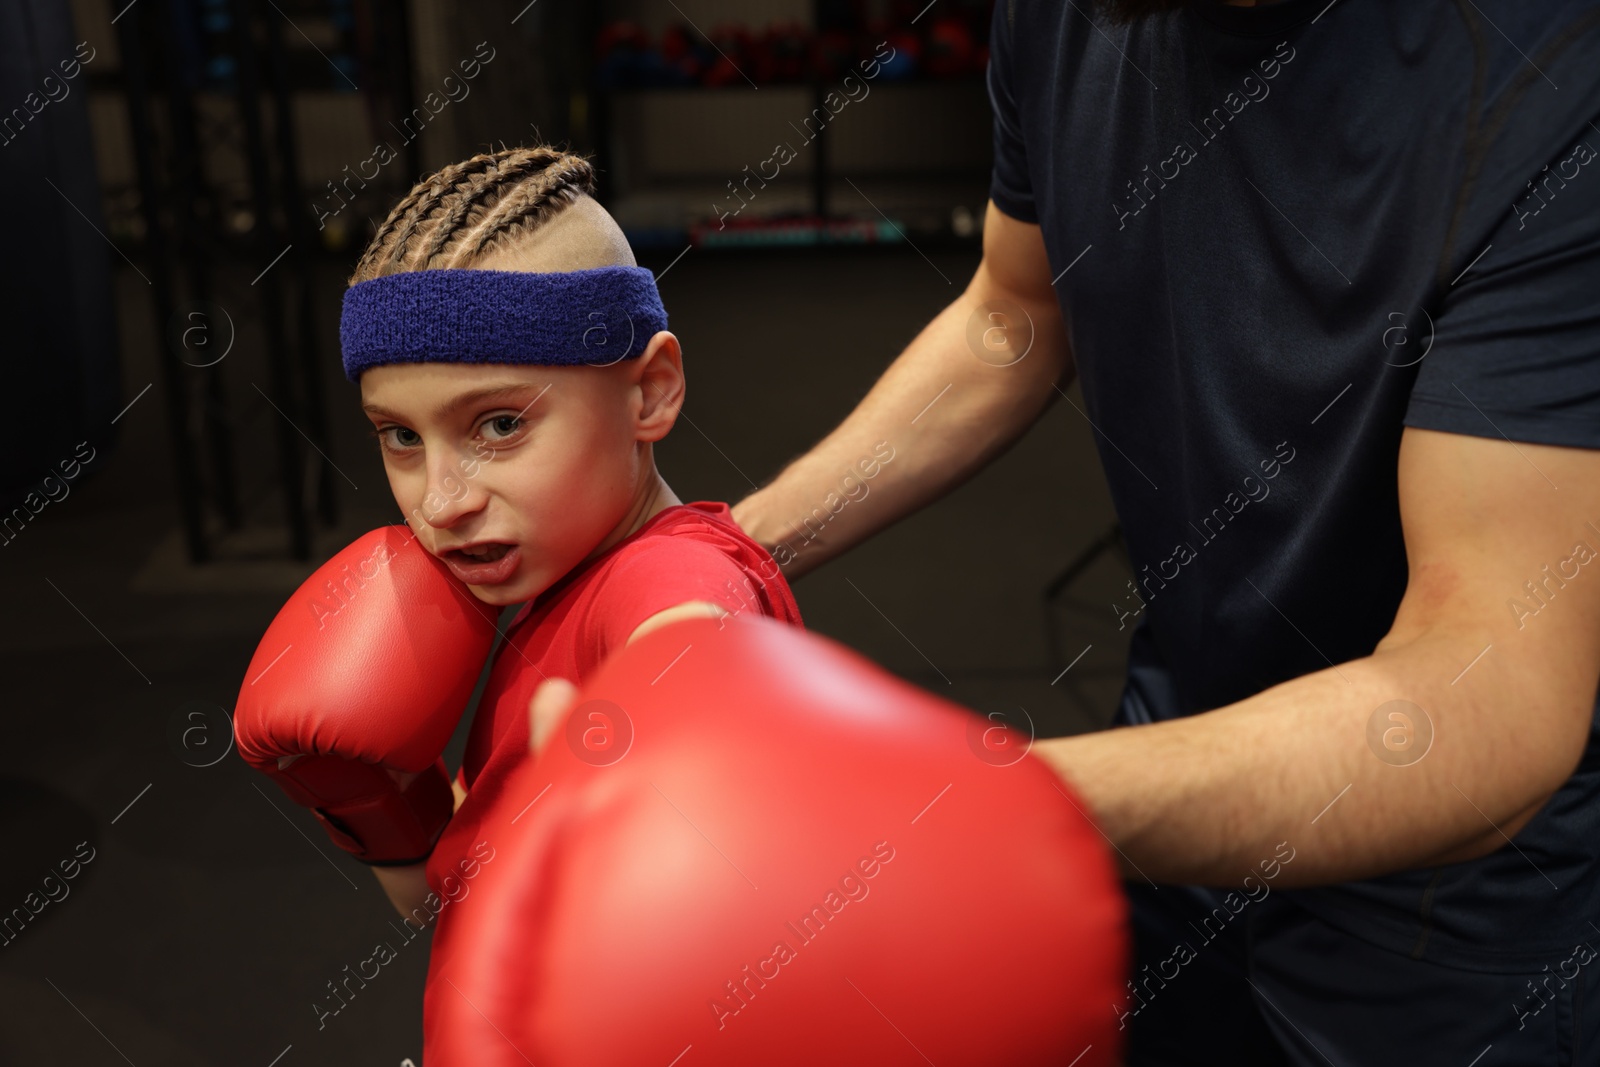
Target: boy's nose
(449, 497)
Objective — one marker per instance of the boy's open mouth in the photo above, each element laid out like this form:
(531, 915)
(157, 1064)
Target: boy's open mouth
(487, 553)
(485, 563)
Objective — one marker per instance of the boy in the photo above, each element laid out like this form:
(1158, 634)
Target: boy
(516, 367)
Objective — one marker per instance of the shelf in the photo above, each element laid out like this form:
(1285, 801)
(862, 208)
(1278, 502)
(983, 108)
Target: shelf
(918, 205)
(644, 90)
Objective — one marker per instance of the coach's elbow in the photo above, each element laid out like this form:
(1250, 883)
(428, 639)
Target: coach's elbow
(1523, 775)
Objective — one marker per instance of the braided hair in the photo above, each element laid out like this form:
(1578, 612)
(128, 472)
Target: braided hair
(458, 213)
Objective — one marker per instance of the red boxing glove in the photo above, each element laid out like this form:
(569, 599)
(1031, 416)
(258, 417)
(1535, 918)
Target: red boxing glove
(356, 688)
(748, 844)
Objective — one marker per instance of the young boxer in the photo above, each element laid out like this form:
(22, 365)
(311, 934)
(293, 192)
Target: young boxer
(517, 370)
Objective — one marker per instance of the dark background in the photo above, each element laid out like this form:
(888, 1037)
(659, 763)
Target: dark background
(165, 209)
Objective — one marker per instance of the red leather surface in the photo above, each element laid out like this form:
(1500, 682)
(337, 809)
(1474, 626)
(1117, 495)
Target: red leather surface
(768, 768)
(363, 676)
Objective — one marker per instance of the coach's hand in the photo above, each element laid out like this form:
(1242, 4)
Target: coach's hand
(356, 688)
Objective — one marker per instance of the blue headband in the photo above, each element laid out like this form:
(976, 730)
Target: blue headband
(598, 317)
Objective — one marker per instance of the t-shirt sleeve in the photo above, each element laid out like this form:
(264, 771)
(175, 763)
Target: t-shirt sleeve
(1516, 348)
(1009, 186)
(662, 573)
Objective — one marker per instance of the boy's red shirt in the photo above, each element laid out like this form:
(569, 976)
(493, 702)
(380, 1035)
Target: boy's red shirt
(685, 552)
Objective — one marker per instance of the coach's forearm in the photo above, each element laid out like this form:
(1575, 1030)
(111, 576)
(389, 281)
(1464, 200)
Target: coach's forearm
(1205, 799)
(940, 411)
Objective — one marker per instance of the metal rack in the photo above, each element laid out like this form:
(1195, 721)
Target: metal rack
(823, 170)
(173, 53)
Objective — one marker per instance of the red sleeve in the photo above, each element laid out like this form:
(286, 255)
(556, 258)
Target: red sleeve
(661, 573)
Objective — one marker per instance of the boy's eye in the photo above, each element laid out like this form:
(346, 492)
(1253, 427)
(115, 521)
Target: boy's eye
(502, 426)
(398, 437)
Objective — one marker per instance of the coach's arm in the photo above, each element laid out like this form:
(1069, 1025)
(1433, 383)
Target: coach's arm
(979, 407)
(1510, 694)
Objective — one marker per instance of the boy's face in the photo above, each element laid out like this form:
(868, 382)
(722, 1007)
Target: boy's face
(534, 468)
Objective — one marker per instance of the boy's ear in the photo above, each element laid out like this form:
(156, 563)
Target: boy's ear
(659, 373)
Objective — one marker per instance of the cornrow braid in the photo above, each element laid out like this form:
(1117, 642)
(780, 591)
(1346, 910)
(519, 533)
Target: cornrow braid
(470, 194)
(483, 171)
(407, 209)
(525, 206)
(462, 208)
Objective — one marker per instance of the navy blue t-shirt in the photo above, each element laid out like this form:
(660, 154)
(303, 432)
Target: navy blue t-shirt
(1280, 235)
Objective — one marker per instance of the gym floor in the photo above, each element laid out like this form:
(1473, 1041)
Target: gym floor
(213, 913)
